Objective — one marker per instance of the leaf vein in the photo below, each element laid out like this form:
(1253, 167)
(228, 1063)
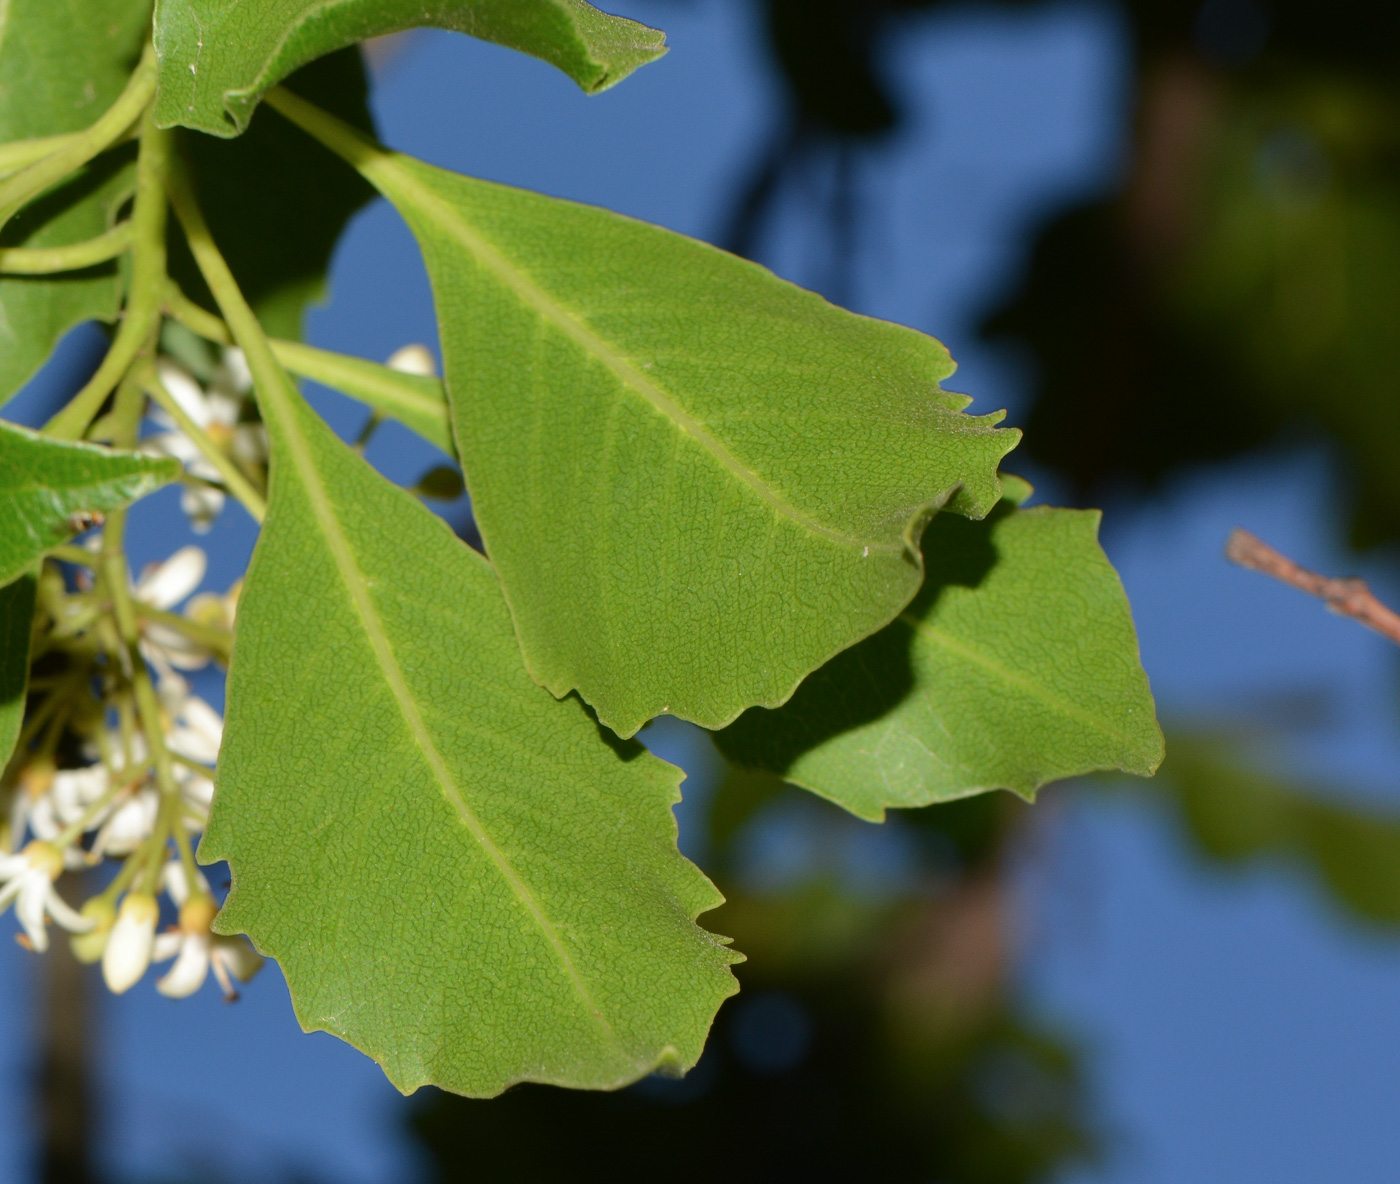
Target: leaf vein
(1052, 700)
(357, 587)
(577, 330)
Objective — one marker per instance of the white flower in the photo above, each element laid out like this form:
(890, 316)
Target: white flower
(129, 947)
(69, 797)
(88, 947)
(196, 730)
(195, 949)
(216, 412)
(413, 359)
(31, 786)
(163, 586)
(129, 824)
(28, 880)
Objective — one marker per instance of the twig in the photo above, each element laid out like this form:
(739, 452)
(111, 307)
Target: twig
(1347, 598)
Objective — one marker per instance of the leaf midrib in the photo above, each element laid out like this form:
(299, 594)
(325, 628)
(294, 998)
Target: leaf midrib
(1034, 689)
(389, 170)
(354, 579)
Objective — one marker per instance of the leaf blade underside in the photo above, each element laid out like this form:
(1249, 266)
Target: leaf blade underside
(491, 893)
(45, 483)
(696, 481)
(215, 64)
(1015, 666)
(62, 63)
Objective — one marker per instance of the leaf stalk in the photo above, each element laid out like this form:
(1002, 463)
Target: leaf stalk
(20, 188)
(148, 270)
(75, 257)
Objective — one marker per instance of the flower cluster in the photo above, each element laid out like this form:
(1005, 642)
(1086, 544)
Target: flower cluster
(221, 411)
(115, 767)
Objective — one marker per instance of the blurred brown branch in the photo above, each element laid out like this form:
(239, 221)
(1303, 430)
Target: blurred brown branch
(1348, 598)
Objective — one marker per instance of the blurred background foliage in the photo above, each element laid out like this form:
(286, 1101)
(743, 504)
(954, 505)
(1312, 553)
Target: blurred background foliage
(1238, 289)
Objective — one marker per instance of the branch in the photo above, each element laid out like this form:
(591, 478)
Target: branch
(1346, 598)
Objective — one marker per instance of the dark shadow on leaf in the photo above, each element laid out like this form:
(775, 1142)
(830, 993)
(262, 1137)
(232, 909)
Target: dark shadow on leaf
(16, 620)
(870, 679)
(627, 750)
(60, 201)
(276, 200)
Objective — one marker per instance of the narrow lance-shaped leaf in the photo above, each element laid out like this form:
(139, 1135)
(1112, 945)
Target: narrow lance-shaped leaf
(49, 490)
(1016, 665)
(457, 872)
(697, 482)
(216, 62)
(62, 63)
(16, 625)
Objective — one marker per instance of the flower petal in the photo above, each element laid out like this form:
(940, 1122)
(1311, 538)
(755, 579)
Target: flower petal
(185, 391)
(167, 945)
(190, 969)
(66, 916)
(168, 583)
(237, 955)
(29, 908)
(129, 949)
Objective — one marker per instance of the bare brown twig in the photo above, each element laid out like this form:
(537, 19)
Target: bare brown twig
(1347, 598)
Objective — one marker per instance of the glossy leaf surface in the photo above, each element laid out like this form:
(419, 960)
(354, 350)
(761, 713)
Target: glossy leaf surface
(697, 482)
(458, 874)
(47, 486)
(217, 58)
(16, 624)
(1016, 665)
(62, 63)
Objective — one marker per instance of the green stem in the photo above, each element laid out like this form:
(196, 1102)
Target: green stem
(417, 402)
(354, 148)
(142, 319)
(71, 554)
(193, 317)
(52, 702)
(218, 640)
(237, 483)
(192, 765)
(155, 845)
(126, 419)
(182, 844)
(18, 189)
(126, 875)
(48, 260)
(18, 153)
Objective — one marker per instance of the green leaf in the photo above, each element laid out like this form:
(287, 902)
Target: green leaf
(458, 873)
(49, 490)
(62, 63)
(1237, 814)
(16, 628)
(1016, 665)
(276, 203)
(415, 400)
(697, 482)
(216, 59)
